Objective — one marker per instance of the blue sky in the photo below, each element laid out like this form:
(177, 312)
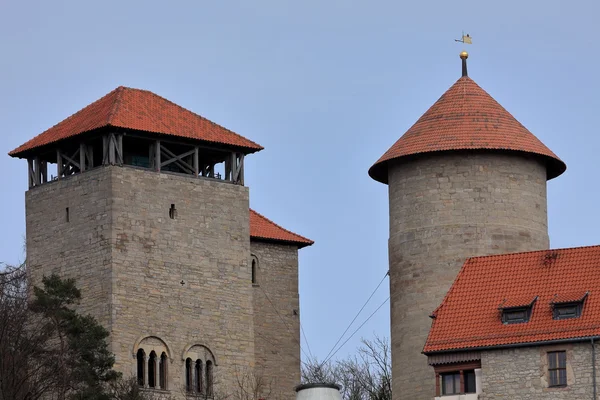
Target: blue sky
(326, 87)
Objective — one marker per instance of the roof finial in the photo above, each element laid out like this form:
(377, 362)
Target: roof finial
(463, 56)
(466, 39)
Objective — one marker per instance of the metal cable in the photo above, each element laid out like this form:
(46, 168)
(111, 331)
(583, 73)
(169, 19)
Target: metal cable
(356, 316)
(357, 329)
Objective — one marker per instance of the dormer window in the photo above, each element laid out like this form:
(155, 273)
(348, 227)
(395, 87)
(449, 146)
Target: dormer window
(567, 306)
(517, 311)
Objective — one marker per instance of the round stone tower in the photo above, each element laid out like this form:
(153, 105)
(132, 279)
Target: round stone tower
(467, 179)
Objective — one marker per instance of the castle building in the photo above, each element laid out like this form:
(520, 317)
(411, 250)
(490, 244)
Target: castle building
(467, 179)
(519, 326)
(149, 213)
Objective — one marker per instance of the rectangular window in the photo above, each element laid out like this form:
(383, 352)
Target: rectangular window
(470, 381)
(568, 310)
(516, 315)
(557, 368)
(451, 383)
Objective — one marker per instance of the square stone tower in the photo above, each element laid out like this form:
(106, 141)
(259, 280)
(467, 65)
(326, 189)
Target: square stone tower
(149, 213)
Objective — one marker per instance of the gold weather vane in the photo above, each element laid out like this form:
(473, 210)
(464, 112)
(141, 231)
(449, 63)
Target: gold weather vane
(466, 39)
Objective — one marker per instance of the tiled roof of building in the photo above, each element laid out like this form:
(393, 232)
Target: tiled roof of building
(138, 110)
(466, 117)
(265, 229)
(469, 318)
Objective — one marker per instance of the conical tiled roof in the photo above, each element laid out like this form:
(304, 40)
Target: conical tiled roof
(138, 110)
(466, 117)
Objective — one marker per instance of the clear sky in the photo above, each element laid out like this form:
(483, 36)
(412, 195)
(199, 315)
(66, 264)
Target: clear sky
(326, 86)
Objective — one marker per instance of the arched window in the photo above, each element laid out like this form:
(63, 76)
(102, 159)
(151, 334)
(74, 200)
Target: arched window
(254, 270)
(188, 375)
(162, 371)
(140, 356)
(152, 370)
(209, 378)
(198, 376)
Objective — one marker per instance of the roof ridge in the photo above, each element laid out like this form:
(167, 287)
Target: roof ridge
(116, 104)
(475, 258)
(281, 227)
(197, 115)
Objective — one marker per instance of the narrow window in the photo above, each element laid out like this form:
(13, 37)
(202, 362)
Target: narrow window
(140, 366)
(67, 216)
(188, 375)
(198, 376)
(451, 383)
(209, 378)
(254, 280)
(172, 212)
(162, 371)
(152, 370)
(557, 368)
(469, 377)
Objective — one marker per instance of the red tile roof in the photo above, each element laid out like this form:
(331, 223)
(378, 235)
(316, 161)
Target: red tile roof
(468, 317)
(466, 117)
(139, 110)
(265, 229)
(517, 301)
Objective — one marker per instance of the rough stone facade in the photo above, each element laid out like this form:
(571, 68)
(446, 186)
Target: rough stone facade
(277, 325)
(522, 373)
(444, 208)
(163, 262)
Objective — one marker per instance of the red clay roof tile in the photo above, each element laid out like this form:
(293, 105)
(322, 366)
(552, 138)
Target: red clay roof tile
(263, 228)
(139, 110)
(466, 117)
(468, 317)
(517, 301)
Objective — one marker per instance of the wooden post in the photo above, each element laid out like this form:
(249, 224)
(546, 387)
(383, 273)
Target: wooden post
(111, 149)
(196, 162)
(90, 157)
(437, 384)
(119, 146)
(462, 381)
(81, 157)
(105, 159)
(157, 156)
(59, 164)
(228, 169)
(30, 172)
(44, 171)
(37, 169)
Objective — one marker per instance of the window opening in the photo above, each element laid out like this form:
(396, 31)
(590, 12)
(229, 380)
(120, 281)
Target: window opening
(451, 383)
(188, 374)
(198, 376)
(172, 212)
(469, 377)
(67, 216)
(209, 378)
(517, 313)
(140, 366)
(254, 280)
(152, 370)
(162, 371)
(557, 368)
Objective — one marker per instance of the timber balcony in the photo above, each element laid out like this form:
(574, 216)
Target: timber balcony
(137, 150)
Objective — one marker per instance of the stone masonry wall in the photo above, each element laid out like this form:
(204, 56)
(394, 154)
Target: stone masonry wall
(444, 208)
(277, 344)
(522, 373)
(184, 280)
(79, 248)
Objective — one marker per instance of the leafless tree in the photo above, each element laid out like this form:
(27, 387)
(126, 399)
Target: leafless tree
(364, 376)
